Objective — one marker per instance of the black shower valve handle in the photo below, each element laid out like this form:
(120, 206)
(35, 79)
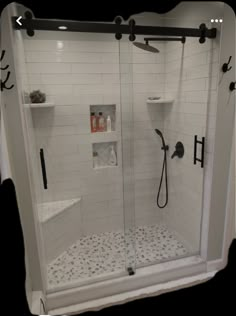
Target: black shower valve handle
(174, 154)
(225, 66)
(179, 150)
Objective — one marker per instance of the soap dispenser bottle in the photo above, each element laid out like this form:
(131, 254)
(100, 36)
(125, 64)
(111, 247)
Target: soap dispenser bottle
(112, 158)
(108, 123)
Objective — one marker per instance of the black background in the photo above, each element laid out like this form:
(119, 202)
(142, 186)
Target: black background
(215, 294)
(87, 10)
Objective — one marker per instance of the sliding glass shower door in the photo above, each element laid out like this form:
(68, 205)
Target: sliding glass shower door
(85, 206)
(167, 101)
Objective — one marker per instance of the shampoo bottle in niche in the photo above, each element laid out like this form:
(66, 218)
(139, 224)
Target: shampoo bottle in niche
(108, 123)
(101, 122)
(93, 122)
(112, 158)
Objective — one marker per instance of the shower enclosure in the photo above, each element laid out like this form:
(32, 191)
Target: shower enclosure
(98, 219)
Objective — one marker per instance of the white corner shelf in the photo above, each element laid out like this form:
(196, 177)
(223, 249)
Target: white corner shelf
(41, 105)
(160, 101)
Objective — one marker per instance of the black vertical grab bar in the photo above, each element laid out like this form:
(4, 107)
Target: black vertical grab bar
(195, 159)
(43, 167)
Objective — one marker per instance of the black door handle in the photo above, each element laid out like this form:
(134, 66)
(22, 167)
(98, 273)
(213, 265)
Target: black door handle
(195, 159)
(43, 167)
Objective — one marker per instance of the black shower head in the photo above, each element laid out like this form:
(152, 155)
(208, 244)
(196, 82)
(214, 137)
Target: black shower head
(158, 132)
(146, 47)
(162, 139)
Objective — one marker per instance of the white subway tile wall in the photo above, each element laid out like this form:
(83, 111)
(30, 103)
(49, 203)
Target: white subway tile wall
(76, 74)
(192, 80)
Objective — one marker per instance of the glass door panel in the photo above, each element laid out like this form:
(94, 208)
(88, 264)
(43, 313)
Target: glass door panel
(81, 209)
(173, 95)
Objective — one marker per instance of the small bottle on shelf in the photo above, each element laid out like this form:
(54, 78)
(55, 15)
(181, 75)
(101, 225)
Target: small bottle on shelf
(95, 160)
(93, 122)
(112, 158)
(108, 123)
(101, 123)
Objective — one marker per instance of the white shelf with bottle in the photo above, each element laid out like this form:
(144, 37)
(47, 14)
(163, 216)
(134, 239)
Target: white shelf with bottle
(40, 105)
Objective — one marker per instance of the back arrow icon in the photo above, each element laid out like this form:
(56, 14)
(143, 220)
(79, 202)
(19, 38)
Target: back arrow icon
(18, 20)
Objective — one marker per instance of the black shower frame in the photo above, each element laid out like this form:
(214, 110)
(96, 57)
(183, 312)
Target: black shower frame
(31, 24)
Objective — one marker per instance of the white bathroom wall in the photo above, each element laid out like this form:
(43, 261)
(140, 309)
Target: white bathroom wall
(191, 79)
(76, 71)
(148, 81)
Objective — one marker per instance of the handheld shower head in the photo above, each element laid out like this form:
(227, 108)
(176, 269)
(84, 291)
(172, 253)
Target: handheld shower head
(164, 146)
(164, 170)
(158, 132)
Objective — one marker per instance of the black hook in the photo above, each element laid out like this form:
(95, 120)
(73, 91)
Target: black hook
(225, 65)
(4, 68)
(2, 55)
(3, 83)
(232, 86)
(1, 58)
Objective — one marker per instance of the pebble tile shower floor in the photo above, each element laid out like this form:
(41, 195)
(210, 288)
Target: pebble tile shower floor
(104, 253)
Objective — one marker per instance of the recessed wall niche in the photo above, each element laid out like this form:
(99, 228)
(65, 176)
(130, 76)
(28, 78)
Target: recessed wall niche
(106, 110)
(104, 155)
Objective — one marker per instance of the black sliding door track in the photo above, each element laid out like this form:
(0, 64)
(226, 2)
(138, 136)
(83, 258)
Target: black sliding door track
(30, 25)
